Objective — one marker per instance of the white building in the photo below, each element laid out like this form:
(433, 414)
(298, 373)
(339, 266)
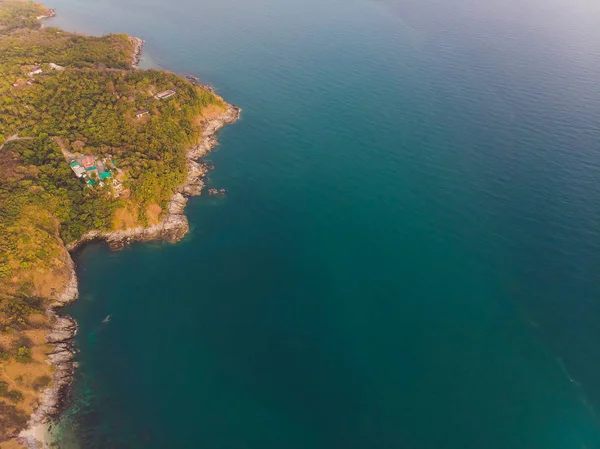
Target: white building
(35, 71)
(163, 95)
(77, 169)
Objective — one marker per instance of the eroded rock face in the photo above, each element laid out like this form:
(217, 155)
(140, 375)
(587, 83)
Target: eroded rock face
(195, 183)
(63, 330)
(138, 45)
(61, 337)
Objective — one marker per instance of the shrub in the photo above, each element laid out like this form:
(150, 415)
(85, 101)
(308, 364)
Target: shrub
(41, 382)
(15, 396)
(23, 340)
(23, 355)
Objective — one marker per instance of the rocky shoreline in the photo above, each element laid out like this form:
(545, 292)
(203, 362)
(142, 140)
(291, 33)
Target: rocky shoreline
(64, 329)
(174, 224)
(51, 13)
(171, 228)
(138, 46)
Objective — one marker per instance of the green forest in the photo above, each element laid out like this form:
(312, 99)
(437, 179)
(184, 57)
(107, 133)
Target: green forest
(65, 94)
(19, 14)
(91, 106)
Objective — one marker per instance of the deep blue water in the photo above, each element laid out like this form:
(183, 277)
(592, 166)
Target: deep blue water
(409, 252)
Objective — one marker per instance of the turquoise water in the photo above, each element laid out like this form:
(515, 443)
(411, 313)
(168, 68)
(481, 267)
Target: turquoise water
(408, 255)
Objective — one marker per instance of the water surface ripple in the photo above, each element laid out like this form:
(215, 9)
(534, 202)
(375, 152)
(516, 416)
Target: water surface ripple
(409, 252)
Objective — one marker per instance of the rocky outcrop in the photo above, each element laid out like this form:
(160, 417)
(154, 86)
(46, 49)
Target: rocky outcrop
(61, 358)
(172, 229)
(61, 337)
(174, 225)
(138, 46)
(195, 183)
(50, 13)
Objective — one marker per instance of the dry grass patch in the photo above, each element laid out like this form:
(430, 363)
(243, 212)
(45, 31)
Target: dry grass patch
(212, 111)
(27, 379)
(125, 217)
(38, 253)
(153, 212)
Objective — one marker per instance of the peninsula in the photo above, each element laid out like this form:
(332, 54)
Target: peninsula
(90, 148)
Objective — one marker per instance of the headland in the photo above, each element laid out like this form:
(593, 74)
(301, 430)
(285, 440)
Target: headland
(116, 164)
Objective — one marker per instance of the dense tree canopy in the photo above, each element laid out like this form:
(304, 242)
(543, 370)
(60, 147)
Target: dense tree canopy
(84, 101)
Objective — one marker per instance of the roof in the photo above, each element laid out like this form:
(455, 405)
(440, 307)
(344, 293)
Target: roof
(105, 175)
(78, 170)
(165, 94)
(93, 167)
(87, 161)
(91, 182)
(74, 164)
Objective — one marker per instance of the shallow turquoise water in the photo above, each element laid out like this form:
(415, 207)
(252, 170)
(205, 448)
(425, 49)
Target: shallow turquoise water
(407, 256)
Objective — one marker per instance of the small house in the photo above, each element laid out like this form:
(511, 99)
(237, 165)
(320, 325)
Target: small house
(35, 71)
(88, 162)
(141, 113)
(164, 94)
(105, 175)
(77, 169)
(29, 82)
(56, 66)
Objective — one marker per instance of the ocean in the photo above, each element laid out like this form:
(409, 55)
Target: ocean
(408, 254)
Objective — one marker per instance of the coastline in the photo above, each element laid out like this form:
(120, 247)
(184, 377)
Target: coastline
(172, 228)
(51, 13)
(138, 46)
(174, 224)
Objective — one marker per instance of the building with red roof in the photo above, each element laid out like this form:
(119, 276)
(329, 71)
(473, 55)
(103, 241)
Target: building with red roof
(87, 162)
